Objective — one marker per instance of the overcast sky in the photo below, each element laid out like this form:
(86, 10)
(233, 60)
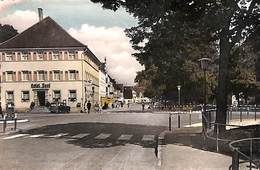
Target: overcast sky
(101, 30)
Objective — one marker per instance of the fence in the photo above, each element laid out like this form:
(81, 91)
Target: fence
(247, 149)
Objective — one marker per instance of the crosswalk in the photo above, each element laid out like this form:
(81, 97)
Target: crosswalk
(101, 136)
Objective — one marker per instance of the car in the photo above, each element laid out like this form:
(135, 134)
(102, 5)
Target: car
(58, 107)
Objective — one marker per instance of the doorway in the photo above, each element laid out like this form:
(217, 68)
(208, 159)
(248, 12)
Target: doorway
(41, 97)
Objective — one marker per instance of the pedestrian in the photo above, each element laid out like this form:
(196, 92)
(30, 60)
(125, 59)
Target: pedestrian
(143, 106)
(1, 110)
(32, 105)
(97, 107)
(128, 104)
(88, 106)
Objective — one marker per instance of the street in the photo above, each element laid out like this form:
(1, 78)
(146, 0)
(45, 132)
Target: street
(110, 140)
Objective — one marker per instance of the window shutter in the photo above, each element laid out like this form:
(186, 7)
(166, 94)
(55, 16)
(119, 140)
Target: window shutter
(35, 76)
(51, 76)
(19, 76)
(14, 76)
(77, 75)
(50, 55)
(30, 76)
(29, 56)
(34, 56)
(66, 75)
(60, 55)
(3, 77)
(61, 75)
(3, 56)
(13, 57)
(76, 55)
(66, 55)
(18, 56)
(45, 75)
(45, 56)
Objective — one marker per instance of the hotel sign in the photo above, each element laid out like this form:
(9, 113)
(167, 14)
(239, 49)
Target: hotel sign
(40, 86)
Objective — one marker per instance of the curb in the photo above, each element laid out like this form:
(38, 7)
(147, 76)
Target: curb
(161, 144)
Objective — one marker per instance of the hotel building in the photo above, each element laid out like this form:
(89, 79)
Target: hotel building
(44, 63)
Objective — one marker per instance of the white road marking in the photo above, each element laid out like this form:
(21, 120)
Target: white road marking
(125, 137)
(81, 135)
(58, 135)
(148, 138)
(35, 136)
(102, 136)
(15, 136)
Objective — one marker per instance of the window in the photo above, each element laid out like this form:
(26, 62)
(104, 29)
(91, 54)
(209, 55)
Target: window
(25, 75)
(56, 75)
(55, 56)
(25, 96)
(9, 76)
(40, 75)
(71, 55)
(72, 95)
(24, 57)
(56, 95)
(40, 56)
(9, 57)
(72, 75)
(10, 96)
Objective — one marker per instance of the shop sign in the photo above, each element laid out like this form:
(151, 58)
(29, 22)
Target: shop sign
(40, 86)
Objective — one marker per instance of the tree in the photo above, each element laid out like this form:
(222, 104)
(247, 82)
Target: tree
(7, 32)
(171, 29)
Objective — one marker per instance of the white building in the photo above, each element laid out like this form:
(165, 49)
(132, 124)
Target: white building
(44, 63)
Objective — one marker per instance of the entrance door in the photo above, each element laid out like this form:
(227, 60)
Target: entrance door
(41, 97)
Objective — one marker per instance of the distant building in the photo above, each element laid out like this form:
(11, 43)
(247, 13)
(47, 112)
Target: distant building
(45, 64)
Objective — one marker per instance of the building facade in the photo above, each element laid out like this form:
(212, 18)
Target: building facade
(45, 64)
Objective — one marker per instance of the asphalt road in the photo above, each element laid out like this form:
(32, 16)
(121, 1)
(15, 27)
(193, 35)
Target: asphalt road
(112, 140)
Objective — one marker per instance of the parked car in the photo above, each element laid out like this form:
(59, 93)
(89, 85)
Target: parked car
(58, 107)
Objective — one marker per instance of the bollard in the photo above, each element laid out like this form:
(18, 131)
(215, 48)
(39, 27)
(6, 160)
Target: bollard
(235, 160)
(156, 146)
(190, 119)
(231, 113)
(179, 121)
(4, 124)
(217, 136)
(247, 112)
(251, 154)
(240, 115)
(255, 112)
(170, 122)
(15, 121)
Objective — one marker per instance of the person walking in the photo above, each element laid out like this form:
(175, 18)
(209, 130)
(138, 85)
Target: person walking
(143, 106)
(88, 106)
(1, 110)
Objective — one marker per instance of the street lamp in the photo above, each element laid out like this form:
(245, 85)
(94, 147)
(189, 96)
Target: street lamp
(179, 96)
(204, 62)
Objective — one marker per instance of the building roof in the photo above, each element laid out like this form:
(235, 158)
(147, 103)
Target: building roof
(44, 34)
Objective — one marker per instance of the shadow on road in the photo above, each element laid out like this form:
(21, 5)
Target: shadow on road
(92, 130)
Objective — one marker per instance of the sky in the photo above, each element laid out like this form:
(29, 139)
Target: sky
(101, 30)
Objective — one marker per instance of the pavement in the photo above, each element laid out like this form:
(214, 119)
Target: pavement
(184, 150)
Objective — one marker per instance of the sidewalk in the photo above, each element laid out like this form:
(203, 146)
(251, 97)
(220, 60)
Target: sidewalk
(183, 151)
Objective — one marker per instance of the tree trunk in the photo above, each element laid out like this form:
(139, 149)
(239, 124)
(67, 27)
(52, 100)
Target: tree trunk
(222, 94)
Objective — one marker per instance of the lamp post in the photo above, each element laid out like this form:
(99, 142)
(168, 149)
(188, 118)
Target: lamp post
(204, 66)
(179, 97)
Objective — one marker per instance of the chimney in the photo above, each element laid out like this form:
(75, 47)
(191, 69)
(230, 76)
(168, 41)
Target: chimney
(40, 14)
